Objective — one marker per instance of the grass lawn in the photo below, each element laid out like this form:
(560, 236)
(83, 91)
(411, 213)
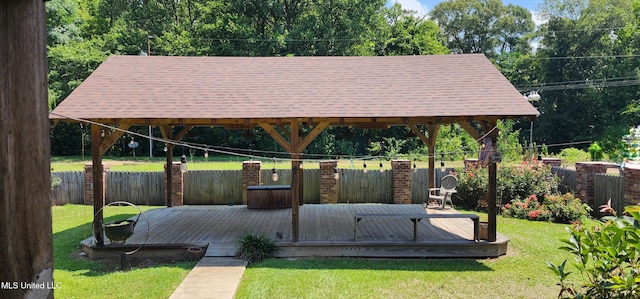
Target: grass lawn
(212, 163)
(85, 278)
(522, 273)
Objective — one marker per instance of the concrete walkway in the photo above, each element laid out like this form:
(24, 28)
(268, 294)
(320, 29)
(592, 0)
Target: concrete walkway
(212, 277)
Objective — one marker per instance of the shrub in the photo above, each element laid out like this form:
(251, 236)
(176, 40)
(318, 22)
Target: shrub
(565, 208)
(571, 155)
(254, 248)
(607, 255)
(557, 208)
(513, 183)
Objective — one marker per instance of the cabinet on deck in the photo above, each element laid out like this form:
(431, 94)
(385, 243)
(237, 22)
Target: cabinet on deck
(269, 197)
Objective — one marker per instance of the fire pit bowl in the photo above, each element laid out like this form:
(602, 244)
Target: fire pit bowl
(119, 230)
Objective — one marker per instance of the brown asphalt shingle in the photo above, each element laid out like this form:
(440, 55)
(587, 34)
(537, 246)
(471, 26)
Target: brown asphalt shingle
(159, 87)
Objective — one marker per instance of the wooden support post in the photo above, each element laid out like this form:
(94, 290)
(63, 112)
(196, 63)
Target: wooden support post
(98, 196)
(169, 174)
(492, 186)
(26, 249)
(296, 181)
(433, 133)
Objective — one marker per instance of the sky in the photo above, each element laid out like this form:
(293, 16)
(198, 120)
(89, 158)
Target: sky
(423, 6)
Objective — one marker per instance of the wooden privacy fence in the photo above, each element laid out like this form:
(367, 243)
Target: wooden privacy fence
(215, 187)
(607, 187)
(567, 179)
(71, 189)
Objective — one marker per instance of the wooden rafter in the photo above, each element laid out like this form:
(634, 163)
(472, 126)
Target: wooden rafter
(312, 135)
(470, 129)
(276, 136)
(110, 139)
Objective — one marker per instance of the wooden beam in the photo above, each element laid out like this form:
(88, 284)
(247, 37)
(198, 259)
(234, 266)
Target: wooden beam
(26, 249)
(98, 196)
(165, 130)
(433, 133)
(418, 133)
(182, 133)
(492, 194)
(312, 135)
(470, 129)
(296, 181)
(276, 136)
(110, 139)
(284, 132)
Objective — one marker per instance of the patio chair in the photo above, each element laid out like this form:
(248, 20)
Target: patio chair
(447, 188)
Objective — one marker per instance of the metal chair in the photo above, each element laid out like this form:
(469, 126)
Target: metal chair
(447, 188)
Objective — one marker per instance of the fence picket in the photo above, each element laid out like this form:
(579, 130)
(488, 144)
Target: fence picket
(607, 187)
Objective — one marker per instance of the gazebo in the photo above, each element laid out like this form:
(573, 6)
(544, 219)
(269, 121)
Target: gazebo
(284, 94)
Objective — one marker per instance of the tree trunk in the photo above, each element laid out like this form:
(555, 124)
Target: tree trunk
(26, 242)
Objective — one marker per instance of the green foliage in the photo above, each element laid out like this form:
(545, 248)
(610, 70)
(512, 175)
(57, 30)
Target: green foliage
(56, 181)
(254, 248)
(607, 255)
(513, 183)
(482, 26)
(556, 208)
(571, 155)
(595, 151)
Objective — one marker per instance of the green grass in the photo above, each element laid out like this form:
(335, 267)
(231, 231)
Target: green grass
(522, 273)
(84, 278)
(61, 164)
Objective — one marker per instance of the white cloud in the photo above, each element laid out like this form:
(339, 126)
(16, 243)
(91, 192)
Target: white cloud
(538, 19)
(413, 5)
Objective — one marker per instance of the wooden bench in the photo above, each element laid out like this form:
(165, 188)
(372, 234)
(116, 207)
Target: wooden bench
(415, 218)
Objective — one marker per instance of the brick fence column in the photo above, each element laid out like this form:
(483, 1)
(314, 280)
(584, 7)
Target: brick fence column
(88, 183)
(401, 181)
(584, 180)
(328, 183)
(177, 185)
(250, 177)
(631, 185)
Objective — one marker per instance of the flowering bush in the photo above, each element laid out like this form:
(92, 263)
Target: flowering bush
(529, 208)
(557, 208)
(513, 183)
(565, 208)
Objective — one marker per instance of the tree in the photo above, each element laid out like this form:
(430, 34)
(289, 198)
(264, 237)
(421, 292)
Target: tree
(482, 26)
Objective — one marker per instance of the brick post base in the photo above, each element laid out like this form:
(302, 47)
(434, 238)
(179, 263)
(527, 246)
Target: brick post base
(88, 183)
(177, 184)
(401, 181)
(631, 185)
(250, 177)
(584, 180)
(328, 183)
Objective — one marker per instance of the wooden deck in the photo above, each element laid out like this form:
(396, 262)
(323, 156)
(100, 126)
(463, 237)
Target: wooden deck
(325, 230)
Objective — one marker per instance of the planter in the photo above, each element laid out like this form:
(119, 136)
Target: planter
(119, 230)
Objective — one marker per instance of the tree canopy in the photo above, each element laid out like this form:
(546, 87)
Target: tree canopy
(583, 61)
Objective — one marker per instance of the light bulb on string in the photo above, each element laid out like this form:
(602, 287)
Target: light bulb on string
(102, 133)
(336, 175)
(415, 167)
(364, 166)
(206, 154)
(166, 149)
(381, 167)
(442, 168)
(274, 173)
(300, 166)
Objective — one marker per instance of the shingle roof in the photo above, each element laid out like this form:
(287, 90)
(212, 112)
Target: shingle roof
(196, 89)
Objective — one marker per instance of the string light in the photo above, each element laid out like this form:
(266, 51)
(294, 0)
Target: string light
(102, 133)
(183, 163)
(274, 173)
(442, 168)
(166, 149)
(364, 166)
(381, 169)
(336, 175)
(300, 165)
(415, 167)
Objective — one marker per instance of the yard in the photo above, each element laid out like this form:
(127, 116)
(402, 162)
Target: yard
(521, 273)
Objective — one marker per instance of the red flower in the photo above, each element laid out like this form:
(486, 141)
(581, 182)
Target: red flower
(507, 206)
(534, 214)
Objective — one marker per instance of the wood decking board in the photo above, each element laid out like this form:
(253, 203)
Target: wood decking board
(325, 230)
